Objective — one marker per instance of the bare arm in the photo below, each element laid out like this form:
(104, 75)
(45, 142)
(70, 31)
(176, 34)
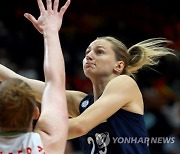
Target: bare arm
(73, 97)
(53, 121)
(113, 98)
(73, 101)
(38, 86)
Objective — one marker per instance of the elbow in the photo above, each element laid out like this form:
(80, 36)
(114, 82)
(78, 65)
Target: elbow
(84, 126)
(77, 128)
(81, 130)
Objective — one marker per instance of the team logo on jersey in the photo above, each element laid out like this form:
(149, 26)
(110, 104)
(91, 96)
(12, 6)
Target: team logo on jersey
(85, 103)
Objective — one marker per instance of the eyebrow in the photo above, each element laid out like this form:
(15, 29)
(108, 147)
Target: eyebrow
(98, 46)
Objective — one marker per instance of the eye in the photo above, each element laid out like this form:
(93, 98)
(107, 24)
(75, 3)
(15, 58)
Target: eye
(87, 51)
(99, 51)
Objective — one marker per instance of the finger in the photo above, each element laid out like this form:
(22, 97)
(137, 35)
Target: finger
(33, 21)
(41, 5)
(49, 4)
(56, 4)
(30, 18)
(64, 8)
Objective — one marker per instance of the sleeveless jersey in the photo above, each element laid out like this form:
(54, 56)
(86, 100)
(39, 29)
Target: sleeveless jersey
(123, 133)
(26, 143)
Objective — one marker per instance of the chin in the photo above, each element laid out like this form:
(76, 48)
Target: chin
(88, 73)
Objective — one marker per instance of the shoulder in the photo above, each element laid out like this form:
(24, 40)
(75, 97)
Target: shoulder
(123, 87)
(127, 91)
(124, 78)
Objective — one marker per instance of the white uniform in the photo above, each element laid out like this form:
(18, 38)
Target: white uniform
(26, 143)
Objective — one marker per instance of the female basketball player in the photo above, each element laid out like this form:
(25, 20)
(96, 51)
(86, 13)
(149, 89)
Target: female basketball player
(17, 99)
(111, 120)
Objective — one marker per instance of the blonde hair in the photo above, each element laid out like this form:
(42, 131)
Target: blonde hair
(17, 105)
(143, 54)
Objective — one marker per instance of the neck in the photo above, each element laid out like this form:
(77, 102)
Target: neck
(97, 91)
(98, 87)
(99, 84)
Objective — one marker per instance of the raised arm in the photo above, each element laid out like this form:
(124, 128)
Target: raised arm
(73, 97)
(53, 121)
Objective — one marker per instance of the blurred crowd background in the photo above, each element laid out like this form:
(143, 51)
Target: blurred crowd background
(132, 21)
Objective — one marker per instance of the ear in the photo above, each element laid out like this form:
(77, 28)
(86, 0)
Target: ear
(119, 67)
(36, 113)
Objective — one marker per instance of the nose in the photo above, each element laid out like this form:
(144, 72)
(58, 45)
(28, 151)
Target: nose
(89, 56)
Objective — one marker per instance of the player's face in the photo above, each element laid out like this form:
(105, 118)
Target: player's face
(99, 59)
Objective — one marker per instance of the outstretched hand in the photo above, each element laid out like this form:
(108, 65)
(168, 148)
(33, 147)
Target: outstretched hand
(49, 18)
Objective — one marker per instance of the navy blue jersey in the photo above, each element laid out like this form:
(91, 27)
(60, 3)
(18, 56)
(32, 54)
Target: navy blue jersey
(123, 133)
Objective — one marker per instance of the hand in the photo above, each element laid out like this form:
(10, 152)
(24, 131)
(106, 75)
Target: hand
(49, 18)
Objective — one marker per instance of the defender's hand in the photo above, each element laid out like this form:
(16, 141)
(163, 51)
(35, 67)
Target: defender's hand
(49, 18)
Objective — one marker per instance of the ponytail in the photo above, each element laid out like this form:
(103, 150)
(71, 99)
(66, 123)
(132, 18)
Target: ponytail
(147, 53)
